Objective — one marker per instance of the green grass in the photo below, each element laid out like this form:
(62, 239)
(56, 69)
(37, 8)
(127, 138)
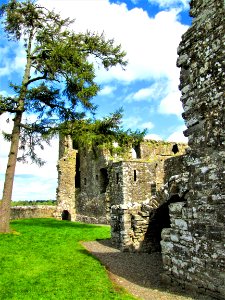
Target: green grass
(46, 261)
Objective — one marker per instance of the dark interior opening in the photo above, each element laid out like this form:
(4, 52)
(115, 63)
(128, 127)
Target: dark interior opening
(104, 180)
(137, 149)
(66, 216)
(135, 175)
(117, 178)
(175, 148)
(158, 220)
(77, 176)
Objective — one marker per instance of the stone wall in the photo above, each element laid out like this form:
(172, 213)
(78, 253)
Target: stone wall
(34, 211)
(193, 247)
(92, 203)
(66, 180)
(90, 181)
(138, 188)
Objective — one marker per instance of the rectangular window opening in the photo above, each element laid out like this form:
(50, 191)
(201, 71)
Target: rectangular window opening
(135, 175)
(117, 178)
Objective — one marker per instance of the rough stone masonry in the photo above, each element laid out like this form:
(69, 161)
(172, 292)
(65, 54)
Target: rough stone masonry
(193, 247)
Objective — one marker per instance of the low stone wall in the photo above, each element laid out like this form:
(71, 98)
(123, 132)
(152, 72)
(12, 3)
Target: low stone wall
(91, 220)
(35, 211)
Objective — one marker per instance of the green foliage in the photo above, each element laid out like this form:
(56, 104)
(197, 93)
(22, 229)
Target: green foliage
(63, 84)
(31, 203)
(46, 261)
(90, 133)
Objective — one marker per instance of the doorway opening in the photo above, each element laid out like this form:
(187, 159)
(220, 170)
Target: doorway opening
(66, 216)
(77, 176)
(159, 219)
(104, 180)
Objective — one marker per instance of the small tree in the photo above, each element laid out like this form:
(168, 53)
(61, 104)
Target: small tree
(58, 80)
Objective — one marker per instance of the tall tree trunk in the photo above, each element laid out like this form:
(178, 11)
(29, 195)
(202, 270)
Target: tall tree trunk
(5, 206)
(9, 175)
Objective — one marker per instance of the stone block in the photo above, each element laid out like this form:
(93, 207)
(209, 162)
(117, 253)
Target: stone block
(181, 224)
(167, 247)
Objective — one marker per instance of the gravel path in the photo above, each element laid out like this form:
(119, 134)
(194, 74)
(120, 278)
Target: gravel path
(138, 273)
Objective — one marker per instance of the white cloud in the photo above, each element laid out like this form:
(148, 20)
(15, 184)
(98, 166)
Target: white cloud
(171, 3)
(151, 46)
(153, 136)
(148, 125)
(155, 91)
(171, 104)
(150, 43)
(107, 90)
(131, 122)
(178, 136)
(10, 63)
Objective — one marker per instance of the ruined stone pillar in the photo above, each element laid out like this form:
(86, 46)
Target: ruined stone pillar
(66, 180)
(194, 247)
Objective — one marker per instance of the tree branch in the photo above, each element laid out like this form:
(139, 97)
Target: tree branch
(36, 79)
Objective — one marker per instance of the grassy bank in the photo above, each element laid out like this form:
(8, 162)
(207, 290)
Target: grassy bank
(46, 261)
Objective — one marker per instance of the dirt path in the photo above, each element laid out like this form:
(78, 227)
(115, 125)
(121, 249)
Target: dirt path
(137, 273)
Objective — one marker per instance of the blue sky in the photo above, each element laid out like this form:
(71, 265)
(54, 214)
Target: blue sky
(150, 32)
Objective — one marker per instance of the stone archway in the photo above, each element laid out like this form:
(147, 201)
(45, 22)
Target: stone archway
(66, 216)
(159, 219)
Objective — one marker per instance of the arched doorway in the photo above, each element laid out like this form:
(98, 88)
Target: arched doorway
(66, 215)
(158, 220)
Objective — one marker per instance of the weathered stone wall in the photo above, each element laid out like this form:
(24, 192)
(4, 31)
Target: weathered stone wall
(130, 181)
(92, 203)
(34, 211)
(91, 181)
(194, 247)
(66, 180)
(135, 222)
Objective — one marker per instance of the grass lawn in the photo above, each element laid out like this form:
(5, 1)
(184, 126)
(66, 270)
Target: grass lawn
(46, 261)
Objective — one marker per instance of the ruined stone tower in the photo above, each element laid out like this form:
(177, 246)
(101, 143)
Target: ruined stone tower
(66, 209)
(194, 247)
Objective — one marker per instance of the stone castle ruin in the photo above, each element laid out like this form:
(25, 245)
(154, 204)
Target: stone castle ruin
(155, 197)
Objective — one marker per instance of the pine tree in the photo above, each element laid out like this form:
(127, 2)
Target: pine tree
(59, 78)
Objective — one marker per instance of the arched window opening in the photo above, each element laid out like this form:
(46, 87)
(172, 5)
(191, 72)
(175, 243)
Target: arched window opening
(175, 149)
(104, 180)
(133, 153)
(66, 216)
(137, 149)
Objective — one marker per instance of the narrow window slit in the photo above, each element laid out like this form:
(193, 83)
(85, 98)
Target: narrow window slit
(135, 175)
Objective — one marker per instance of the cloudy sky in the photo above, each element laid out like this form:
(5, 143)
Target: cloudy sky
(150, 32)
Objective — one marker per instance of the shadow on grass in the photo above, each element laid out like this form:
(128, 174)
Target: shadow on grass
(52, 223)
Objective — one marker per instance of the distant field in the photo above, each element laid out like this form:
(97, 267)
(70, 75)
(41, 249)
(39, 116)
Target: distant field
(36, 202)
(43, 260)
(32, 202)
